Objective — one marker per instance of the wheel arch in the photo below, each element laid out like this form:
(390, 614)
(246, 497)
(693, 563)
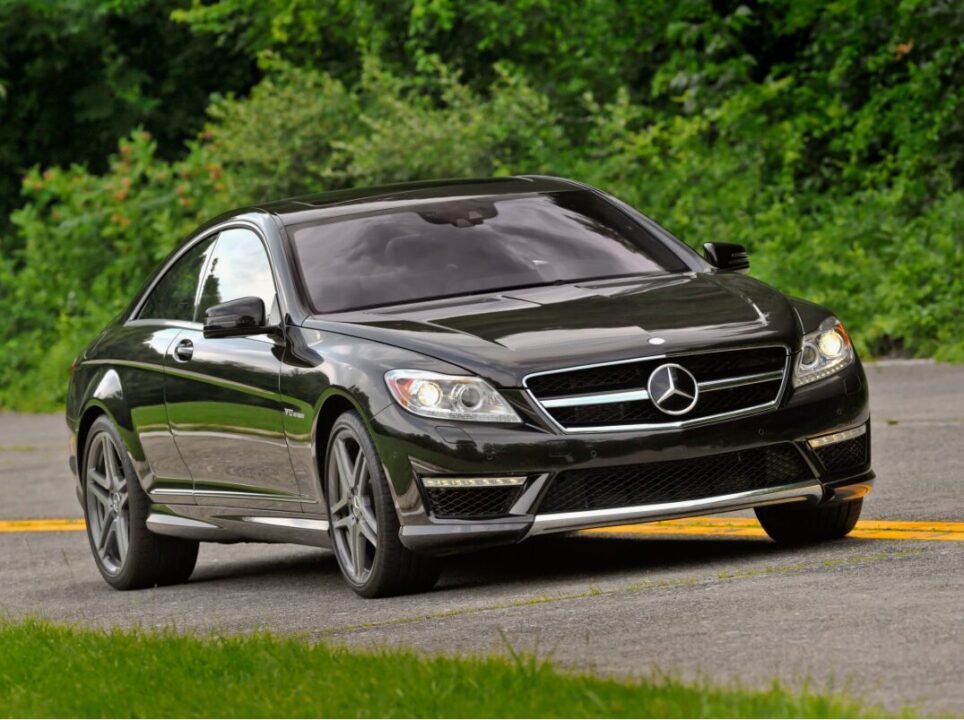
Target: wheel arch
(94, 410)
(334, 403)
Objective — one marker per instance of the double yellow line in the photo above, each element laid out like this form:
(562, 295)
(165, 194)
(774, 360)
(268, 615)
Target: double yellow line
(749, 527)
(928, 530)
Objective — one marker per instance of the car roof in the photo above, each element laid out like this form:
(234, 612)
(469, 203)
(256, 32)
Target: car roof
(330, 204)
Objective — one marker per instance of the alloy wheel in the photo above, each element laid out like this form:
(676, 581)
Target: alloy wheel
(351, 500)
(108, 510)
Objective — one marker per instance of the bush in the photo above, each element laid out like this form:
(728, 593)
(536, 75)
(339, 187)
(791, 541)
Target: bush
(882, 246)
(88, 242)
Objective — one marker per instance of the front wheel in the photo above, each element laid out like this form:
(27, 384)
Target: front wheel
(128, 555)
(799, 524)
(362, 519)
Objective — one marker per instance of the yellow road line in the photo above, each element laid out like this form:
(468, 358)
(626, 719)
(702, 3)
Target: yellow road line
(749, 527)
(699, 526)
(47, 525)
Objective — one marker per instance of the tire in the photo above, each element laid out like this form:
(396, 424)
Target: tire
(127, 554)
(796, 525)
(363, 523)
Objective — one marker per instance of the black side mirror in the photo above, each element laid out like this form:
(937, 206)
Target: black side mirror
(235, 318)
(727, 256)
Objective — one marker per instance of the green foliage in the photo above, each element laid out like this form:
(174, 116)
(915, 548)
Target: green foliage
(77, 75)
(826, 136)
(87, 242)
(52, 671)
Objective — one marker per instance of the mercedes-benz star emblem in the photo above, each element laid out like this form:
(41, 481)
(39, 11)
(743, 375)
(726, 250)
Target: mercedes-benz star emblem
(673, 389)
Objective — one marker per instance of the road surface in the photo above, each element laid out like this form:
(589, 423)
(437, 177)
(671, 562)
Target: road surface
(881, 616)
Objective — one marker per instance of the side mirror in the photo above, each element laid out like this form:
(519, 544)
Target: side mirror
(727, 256)
(235, 318)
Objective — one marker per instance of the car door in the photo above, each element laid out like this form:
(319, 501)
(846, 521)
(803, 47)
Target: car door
(136, 352)
(222, 393)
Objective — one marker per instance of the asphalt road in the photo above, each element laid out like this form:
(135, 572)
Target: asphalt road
(883, 619)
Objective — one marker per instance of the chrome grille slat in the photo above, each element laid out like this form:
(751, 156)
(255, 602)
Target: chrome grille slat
(625, 404)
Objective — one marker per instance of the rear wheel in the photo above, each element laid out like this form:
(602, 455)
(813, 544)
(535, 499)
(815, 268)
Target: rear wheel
(798, 523)
(128, 555)
(362, 519)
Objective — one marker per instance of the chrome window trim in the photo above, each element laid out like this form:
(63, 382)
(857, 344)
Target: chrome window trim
(784, 375)
(210, 233)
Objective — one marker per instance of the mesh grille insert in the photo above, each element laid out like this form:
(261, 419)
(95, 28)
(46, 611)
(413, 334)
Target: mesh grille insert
(674, 480)
(846, 455)
(472, 502)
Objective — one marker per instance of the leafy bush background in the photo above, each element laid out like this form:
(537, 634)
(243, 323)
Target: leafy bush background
(826, 136)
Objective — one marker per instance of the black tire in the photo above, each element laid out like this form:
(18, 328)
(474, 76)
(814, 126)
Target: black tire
(395, 570)
(797, 524)
(150, 560)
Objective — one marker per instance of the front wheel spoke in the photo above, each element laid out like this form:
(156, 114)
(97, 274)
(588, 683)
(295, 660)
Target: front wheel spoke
(99, 493)
(340, 505)
(344, 464)
(369, 523)
(98, 478)
(353, 535)
(359, 474)
(359, 551)
(121, 535)
(110, 462)
(368, 532)
(342, 522)
(106, 530)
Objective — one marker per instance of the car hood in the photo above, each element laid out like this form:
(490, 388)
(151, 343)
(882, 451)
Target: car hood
(504, 336)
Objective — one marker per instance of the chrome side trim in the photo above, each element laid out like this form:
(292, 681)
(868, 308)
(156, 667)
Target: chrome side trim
(156, 521)
(584, 519)
(288, 522)
(249, 495)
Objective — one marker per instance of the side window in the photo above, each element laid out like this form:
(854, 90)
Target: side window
(239, 268)
(173, 296)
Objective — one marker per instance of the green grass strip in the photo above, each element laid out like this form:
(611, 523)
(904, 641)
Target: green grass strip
(50, 670)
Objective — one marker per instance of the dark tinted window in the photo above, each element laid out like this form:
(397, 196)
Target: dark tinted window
(467, 245)
(173, 296)
(239, 268)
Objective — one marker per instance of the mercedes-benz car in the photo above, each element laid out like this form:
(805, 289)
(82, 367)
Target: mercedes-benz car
(410, 371)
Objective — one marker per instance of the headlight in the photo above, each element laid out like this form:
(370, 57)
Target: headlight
(824, 352)
(452, 397)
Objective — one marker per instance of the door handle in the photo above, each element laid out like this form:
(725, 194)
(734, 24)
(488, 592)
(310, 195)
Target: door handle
(184, 350)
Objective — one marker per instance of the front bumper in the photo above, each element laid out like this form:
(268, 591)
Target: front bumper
(414, 448)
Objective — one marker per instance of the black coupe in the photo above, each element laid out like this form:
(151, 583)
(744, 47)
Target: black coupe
(414, 370)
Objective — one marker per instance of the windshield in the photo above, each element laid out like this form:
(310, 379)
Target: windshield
(471, 245)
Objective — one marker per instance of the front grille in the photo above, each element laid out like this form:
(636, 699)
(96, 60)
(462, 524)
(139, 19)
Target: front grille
(730, 381)
(846, 455)
(471, 502)
(674, 480)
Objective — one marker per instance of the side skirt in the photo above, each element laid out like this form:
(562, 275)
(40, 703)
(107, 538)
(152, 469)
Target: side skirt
(227, 524)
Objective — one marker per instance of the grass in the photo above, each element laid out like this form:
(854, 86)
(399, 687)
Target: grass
(51, 670)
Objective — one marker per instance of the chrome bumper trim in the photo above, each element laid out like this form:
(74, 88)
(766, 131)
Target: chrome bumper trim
(584, 519)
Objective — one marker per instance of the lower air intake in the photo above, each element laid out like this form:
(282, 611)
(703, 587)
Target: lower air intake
(471, 502)
(842, 456)
(674, 480)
